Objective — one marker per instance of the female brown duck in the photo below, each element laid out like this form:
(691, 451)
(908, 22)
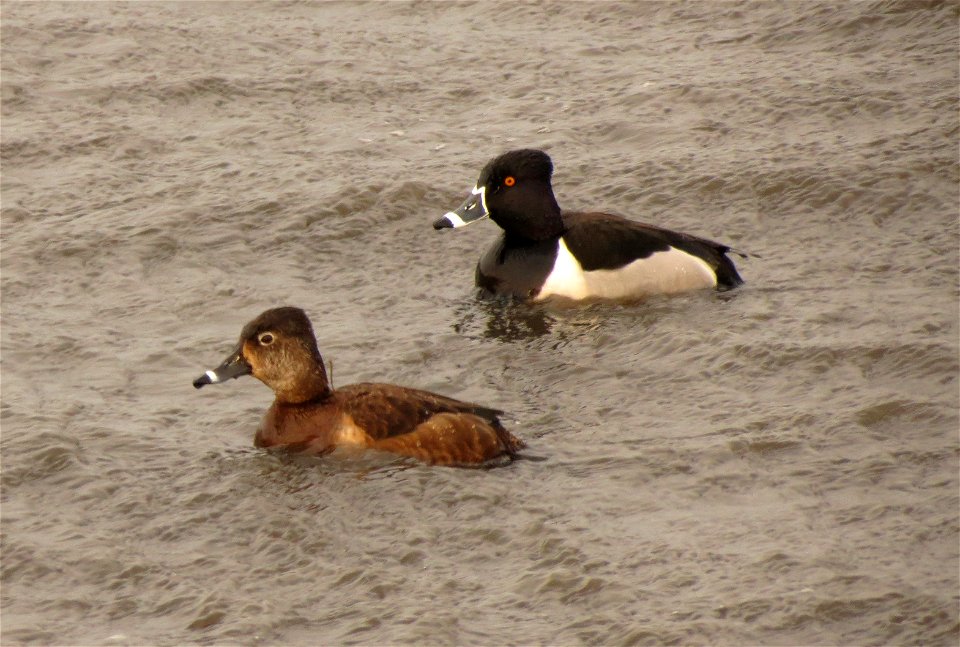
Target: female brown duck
(279, 349)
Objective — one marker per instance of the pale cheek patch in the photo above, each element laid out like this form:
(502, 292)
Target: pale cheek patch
(214, 378)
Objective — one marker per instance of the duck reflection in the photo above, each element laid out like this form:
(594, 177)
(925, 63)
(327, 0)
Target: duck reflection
(503, 319)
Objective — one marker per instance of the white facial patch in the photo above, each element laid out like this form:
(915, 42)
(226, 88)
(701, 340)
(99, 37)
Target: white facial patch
(482, 192)
(666, 272)
(214, 378)
(457, 221)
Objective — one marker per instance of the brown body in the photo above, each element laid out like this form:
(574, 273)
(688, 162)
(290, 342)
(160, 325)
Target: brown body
(429, 427)
(308, 415)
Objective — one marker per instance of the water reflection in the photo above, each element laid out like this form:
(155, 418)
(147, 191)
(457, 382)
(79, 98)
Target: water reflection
(510, 320)
(504, 319)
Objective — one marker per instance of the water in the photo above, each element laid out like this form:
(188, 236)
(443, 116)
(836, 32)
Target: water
(776, 465)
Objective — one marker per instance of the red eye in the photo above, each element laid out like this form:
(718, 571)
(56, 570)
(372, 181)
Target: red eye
(509, 181)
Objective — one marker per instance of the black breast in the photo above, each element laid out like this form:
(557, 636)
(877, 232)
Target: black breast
(516, 268)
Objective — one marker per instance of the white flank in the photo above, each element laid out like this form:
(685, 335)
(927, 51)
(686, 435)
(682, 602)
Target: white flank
(665, 272)
(566, 279)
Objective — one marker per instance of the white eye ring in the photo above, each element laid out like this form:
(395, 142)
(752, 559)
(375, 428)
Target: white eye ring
(266, 338)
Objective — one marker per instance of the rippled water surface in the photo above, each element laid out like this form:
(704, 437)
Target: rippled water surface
(776, 465)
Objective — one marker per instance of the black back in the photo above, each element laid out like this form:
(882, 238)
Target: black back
(603, 241)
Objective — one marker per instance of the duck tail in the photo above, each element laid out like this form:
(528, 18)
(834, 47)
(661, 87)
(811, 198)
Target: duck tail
(741, 253)
(727, 275)
(511, 444)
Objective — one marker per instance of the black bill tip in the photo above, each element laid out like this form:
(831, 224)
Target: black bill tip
(442, 223)
(202, 381)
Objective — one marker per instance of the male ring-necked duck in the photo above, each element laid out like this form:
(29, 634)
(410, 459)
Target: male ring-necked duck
(279, 349)
(544, 253)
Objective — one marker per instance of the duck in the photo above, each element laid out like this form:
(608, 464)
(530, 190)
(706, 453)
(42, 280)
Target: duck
(548, 254)
(308, 415)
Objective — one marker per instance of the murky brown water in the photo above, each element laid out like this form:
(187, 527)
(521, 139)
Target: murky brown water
(778, 465)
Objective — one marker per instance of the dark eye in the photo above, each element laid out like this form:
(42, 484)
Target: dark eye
(509, 180)
(265, 338)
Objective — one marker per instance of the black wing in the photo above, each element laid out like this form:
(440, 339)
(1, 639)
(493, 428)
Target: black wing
(603, 241)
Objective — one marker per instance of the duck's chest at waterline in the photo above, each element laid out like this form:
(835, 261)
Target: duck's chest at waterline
(516, 269)
(307, 428)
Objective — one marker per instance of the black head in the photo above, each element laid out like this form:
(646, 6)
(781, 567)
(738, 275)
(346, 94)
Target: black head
(519, 195)
(514, 190)
(525, 164)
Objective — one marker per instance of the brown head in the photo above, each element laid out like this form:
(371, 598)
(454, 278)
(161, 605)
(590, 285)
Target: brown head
(279, 349)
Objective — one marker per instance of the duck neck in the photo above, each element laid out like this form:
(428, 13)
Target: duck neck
(309, 385)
